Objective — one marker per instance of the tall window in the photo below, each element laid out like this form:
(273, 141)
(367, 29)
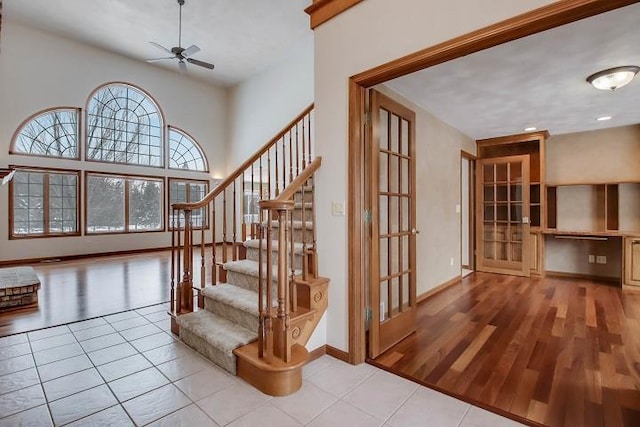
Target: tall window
(117, 204)
(185, 191)
(184, 152)
(45, 203)
(124, 125)
(52, 133)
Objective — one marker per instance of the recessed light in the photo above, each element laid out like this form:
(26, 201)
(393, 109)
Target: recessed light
(530, 129)
(604, 118)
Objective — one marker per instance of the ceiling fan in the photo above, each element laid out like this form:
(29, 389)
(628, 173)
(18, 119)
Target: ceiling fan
(180, 53)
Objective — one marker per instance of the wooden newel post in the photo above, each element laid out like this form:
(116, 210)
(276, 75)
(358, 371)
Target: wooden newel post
(281, 341)
(186, 285)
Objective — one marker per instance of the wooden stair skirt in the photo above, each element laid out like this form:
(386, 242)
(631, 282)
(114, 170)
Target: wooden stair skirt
(269, 374)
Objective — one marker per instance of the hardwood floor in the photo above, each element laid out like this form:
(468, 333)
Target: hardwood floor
(92, 287)
(558, 352)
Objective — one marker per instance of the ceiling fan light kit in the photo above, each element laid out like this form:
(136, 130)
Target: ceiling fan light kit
(180, 53)
(613, 78)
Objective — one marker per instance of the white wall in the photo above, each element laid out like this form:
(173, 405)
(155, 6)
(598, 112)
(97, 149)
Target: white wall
(369, 34)
(39, 70)
(261, 106)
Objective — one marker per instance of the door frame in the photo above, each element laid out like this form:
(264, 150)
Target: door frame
(471, 208)
(544, 18)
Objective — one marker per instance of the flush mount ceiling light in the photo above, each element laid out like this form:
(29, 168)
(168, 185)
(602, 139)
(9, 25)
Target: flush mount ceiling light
(530, 129)
(604, 118)
(613, 78)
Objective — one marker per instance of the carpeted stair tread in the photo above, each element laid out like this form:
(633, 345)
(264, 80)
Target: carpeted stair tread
(234, 296)
(255, 244)
(250, 268)
(217, 331)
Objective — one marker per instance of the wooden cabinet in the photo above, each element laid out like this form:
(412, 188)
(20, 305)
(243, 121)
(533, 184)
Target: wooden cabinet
(632, 261)
(604, 208)
(509, 238)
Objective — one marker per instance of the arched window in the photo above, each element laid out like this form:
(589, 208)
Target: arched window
(51, 133)
(124, 125)
(184, 152)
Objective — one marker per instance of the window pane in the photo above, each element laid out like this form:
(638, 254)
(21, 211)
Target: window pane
(62, 203)
(184, 152)
(52, 133)
(29, 210)
(181, 191)
(124, 126)
(145, 205)
(105, 204)
(28, 201)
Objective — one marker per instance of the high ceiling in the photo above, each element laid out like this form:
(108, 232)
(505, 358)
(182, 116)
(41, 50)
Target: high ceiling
(240, 37)
(536, 81)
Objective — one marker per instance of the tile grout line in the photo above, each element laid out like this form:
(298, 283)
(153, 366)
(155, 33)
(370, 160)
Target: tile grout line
(35, 366)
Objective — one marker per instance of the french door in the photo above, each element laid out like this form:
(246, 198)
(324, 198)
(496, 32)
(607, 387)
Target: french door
(393, 223)
(503, 215)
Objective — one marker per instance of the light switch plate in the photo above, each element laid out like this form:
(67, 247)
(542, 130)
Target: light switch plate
(337, 208)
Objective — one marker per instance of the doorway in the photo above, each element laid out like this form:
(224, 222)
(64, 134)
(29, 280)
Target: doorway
(467, 213)
(544, 18)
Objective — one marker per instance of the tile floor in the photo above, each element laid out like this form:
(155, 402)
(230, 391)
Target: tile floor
(128, 370)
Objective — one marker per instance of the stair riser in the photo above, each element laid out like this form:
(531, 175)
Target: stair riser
(242, 318)
(254, 255)
(299, 234)
(308, 196)
(249, 282)
(297, 214)
(217, 356)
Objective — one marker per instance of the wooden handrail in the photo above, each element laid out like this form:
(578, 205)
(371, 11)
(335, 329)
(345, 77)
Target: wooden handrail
(296, 184)
(241, 169)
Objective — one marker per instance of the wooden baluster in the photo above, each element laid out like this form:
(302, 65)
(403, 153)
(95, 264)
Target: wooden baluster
(261, 215)
(276, 171)
(290, 158)
(284, 166)
(224, 226)
(234, 224)
(260, 301)
(293, 301)
(173, 260)
(305, 260)
(269, 173)
(203, 267)
(178, 268)
(243, 223)
(253, 234)
(304, 148)
(309, 138)
(297, 152)
(214, 262)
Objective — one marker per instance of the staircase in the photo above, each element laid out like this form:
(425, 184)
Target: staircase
(259, 297)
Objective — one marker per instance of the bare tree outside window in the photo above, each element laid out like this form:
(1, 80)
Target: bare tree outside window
(124, 126)
(53, 133)
(184, 152)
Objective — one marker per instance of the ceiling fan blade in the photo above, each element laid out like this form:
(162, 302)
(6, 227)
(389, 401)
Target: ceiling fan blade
(159, 46)
(159, 59)
(200, 63)
(190, 50)
(183, 66)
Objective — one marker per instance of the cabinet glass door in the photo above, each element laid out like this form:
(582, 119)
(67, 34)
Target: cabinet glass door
(503, 217)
